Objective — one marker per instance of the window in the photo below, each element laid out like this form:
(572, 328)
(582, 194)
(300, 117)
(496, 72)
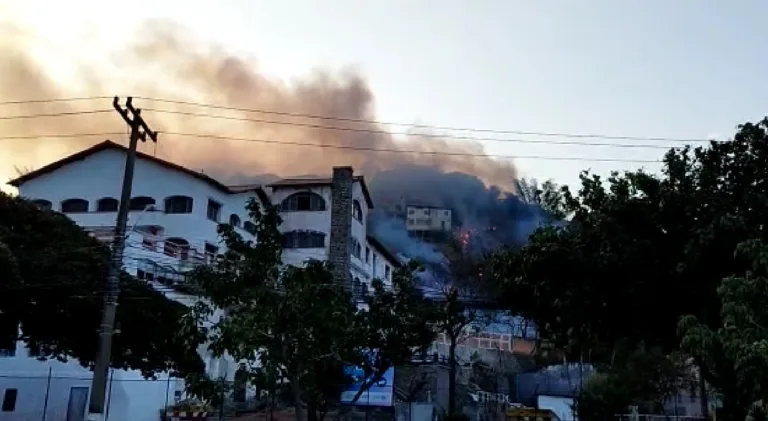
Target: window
(140, 203)
(9, 400)
(304, 201)
(177, 247)
(74, 206)
(447, 213)
(410, 211)
(367, 254)
(250, 227)
(210, 252)
(43, 204)
(387, 273)
(148, 243)
(303, 239)
(8, 333)
(357, 210)
(178, 204)
(354, 248)
(107, 204)
(234, 220)
(214, 209)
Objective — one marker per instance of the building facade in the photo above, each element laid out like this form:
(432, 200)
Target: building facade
(172, 228)
(428, 218)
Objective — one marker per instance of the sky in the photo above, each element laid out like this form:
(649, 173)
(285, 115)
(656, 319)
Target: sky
(685, 69)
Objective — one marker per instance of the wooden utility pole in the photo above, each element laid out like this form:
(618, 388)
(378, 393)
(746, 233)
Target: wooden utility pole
(139, 131)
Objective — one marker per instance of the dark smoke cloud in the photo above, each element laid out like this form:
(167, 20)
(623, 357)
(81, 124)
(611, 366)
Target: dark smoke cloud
(489, 216)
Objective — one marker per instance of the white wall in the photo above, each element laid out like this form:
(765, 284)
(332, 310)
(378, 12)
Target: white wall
(319, 221)
(100, 175)
(130, 396)
(561, 406)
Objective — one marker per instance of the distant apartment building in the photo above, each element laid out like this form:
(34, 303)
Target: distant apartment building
(172, 228)
(428, 223)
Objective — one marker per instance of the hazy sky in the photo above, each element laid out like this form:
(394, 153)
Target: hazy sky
(657, 68)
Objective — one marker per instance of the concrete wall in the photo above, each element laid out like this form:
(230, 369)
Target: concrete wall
(130, 397)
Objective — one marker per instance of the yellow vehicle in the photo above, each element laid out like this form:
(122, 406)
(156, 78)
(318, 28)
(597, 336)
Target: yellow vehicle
(530, 414)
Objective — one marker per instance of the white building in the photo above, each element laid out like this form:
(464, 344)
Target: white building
(428, 218)
(172, 226)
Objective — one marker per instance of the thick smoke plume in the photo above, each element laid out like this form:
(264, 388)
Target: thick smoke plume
(170, 63)
(165, 61)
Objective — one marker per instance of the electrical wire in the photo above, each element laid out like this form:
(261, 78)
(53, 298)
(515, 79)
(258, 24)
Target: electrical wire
(411, 151)
(341, 119)
(54, 100)
(417, 126)
(60, 114)
(419, 135)
(354, 148)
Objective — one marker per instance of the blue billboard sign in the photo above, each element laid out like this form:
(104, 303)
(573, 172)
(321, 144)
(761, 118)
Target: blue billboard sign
(379, 394)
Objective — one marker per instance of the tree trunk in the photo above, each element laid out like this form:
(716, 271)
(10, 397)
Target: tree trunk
(703, 395)
(298, 402)
(452, 376)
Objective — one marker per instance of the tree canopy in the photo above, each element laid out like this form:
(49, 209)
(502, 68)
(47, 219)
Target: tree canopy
(735, 353)
(52, 275)
(302, 325)
(641, 250)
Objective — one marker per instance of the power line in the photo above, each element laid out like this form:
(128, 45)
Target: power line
(420, 126)
(354, 120)
(409, 151)
(61, 114)
(422, 135)
(54, 100)
(344, 147)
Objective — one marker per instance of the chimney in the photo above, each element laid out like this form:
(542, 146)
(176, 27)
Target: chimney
(341, 224)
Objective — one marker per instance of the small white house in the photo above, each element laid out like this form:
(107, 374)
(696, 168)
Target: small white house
(174, 214)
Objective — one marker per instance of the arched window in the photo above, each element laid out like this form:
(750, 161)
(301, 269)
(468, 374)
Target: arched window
(140, 203)
(177, 247)
(249, 227)
(43, 204)
(234, 220)
(355, 248)
(303, 240)
(107, 204)
(303, 201)
(178, 204)
(74, 206)
(357, 210)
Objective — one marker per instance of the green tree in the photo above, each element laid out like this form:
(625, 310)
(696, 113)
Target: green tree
(640, 250)
(735, 354)
(299, 324)
(51, 284)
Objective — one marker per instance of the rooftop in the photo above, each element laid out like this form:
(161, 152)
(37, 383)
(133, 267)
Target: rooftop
(319, 181)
